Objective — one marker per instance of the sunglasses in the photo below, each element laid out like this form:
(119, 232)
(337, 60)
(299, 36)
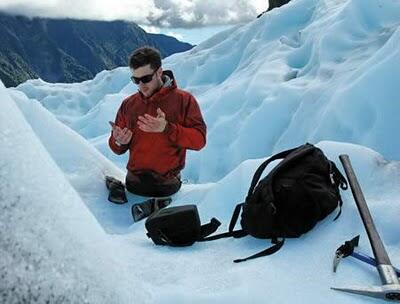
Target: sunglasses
(143, 79)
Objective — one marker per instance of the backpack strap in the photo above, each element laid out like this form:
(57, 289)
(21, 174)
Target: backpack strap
(339, 180)
(270, 250)
(231, 233)
(241, 233)
(262, 167)
(235, 216)
(338, 177)
(236, 234)
(211, 227)
(299, 152)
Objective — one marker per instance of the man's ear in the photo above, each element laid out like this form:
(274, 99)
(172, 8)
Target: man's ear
(159, 72)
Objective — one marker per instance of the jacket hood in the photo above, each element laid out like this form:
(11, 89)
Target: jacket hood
(168, 85)
(169, 79)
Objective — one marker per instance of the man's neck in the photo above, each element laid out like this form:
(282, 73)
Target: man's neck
(157, 90)
(160, 85)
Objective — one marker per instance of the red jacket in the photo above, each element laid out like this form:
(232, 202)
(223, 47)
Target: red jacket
(164, 152)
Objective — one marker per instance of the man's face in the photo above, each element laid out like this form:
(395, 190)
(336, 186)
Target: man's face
(153, 85)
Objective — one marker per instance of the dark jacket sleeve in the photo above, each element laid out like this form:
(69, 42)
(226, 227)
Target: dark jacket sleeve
(120, 120)
(192, 133)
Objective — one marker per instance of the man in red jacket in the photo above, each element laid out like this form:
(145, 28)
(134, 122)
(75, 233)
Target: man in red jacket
(156, 125)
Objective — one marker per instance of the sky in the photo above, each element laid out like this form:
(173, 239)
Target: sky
(188, 20)
(323, 72)
(192, 35)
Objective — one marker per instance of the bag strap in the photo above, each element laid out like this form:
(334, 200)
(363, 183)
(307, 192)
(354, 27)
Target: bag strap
(338, 177)
(339, 180)
(241, 233)
(262, 167)
(205, 230)
(235, 216)
(211, 227)
(231, 233)
(294, 153)
(270, 250)
(236, 234)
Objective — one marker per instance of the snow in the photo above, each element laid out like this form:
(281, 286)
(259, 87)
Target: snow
(324, 72)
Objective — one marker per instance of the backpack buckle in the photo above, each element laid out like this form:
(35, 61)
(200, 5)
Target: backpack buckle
(273, 207)
(332, 179)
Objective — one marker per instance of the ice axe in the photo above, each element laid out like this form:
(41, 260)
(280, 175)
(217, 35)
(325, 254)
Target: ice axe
(390, 288)
(348, 249)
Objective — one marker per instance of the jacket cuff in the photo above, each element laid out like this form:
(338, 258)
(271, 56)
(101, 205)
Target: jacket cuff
(117, 147)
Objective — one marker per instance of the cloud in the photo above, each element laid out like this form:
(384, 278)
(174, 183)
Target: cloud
(151, 29)
(78, 9)
(185, 13)
(176, 35)
(153, 13)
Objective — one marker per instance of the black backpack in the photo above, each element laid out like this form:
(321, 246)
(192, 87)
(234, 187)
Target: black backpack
(300, 191)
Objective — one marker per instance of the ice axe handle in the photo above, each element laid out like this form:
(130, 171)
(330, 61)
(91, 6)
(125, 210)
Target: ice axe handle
(378, 249)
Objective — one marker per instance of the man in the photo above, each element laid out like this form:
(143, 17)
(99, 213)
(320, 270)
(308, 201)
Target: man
(156, 125)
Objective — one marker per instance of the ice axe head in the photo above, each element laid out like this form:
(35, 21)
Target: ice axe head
(345, 250)
(386, 292)
(389, 291)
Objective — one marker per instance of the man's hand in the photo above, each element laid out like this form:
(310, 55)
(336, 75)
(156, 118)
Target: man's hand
(148, 123)
(122, 136)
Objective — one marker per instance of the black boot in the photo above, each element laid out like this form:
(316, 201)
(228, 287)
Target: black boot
(144, 209)
(116, 190)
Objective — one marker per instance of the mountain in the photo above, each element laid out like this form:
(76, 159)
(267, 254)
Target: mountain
(67, 50)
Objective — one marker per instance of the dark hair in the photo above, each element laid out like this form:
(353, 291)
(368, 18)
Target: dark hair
(144, 56)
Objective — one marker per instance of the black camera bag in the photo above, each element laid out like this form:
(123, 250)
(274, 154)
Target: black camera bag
(178, 226)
